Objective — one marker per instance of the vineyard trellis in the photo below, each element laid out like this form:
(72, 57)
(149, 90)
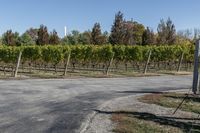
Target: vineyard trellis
(95, 58)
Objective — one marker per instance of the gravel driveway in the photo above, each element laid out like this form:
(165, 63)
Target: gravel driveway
(62, 105)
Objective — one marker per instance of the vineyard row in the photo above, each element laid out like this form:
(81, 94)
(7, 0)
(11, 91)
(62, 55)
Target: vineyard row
(95, 54)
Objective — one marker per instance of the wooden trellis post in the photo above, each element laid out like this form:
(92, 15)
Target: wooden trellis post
(67, 63)
(110, 63)
(180, 62)
(146, 65)
(18, 63)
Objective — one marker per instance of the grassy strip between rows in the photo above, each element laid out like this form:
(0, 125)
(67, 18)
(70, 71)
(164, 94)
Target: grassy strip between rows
(138, 122)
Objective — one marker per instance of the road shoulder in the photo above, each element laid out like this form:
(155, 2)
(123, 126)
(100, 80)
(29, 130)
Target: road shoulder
(100, 122)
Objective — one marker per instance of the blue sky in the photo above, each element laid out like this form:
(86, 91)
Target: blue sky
(20, 15)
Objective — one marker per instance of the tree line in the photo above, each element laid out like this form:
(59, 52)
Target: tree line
(123, 32)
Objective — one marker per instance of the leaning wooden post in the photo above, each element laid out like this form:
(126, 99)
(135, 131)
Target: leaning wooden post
(67, 63)
(17, 65)
(180, 62)
(110, 63)
(146, 65)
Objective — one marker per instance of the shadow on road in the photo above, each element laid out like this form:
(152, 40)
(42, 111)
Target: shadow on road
(152, 90)
(184, 125)
(141, 92)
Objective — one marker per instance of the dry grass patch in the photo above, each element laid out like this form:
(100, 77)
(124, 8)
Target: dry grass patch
(129, 123)
(172, 100)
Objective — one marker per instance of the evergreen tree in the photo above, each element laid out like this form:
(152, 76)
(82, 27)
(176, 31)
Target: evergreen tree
(148, 37)
(171, 38)
(96, 35)
(117, 31)
(53, 38)
(162, 32)
(166, 32)
(43, 35)
(126, 32)
(10, 38)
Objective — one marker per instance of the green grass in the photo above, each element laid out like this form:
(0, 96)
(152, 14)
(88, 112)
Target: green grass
(172, 100)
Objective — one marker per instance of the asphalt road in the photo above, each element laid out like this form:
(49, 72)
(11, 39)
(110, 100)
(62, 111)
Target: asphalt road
(60, 106)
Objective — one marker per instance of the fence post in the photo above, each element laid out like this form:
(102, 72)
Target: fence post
(18, 63)
(180, 62)
(110, 63)
(196, 67)
(146, 65)
(67, 63)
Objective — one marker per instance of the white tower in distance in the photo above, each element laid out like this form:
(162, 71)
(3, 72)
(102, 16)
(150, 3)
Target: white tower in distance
(65, 31)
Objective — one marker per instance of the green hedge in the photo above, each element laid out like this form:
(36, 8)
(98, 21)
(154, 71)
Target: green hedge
(90, 53)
